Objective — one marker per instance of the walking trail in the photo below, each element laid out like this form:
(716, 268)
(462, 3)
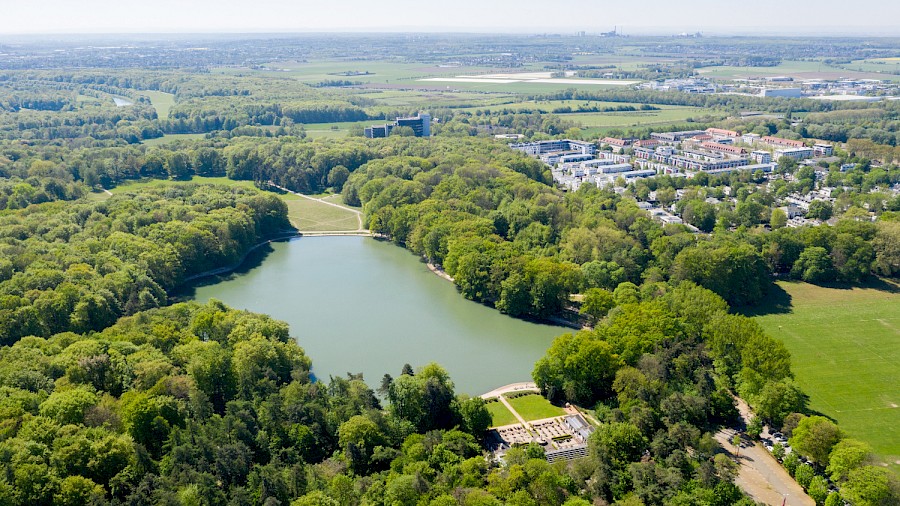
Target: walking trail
(761, 476)
(359, 231)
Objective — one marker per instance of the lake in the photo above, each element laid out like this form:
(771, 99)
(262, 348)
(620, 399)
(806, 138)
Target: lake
(356, 304)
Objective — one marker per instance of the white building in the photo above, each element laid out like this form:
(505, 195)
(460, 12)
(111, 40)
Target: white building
(795, 153)
(761, 156)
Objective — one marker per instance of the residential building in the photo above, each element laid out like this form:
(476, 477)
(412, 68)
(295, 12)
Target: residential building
(617, 145)
(778, 142)
(795, 153)
(721, 132)
(722, 148)
(674, 137)
(761, 156)
(823, 149)
(750, 138)
(542, 147)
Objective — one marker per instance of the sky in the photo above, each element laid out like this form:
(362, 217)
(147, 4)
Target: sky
(784, 17)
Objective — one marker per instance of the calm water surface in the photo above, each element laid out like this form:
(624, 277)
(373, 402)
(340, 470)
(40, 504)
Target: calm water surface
(359, 305)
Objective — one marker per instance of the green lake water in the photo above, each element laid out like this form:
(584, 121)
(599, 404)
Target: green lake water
(356, 304)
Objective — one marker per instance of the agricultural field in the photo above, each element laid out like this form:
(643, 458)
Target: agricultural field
(534, 407)
(845, 348)
(796, 69)
(500, 415)
(877, 65)
(667, 114)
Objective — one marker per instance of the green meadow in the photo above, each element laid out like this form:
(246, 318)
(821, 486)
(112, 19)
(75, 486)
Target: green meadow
(845, 348)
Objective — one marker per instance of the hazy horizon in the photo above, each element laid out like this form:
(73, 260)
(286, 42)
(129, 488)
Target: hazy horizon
(655, 17)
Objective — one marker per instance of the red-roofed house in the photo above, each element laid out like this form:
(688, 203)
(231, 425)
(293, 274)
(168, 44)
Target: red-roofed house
(722, 148)
(778, 142)
(722, 132)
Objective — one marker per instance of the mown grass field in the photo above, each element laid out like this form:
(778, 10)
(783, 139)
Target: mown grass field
(500, 415)
(534, 407)
(845, 348)
(161, 101)
(312, 216)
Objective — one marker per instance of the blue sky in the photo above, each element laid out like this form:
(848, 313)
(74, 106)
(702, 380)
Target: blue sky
(878, 17)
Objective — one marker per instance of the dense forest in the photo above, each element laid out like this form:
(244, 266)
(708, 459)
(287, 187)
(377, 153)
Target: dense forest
(200, 404)
(112, 393)
(79, 266)
(519, 244)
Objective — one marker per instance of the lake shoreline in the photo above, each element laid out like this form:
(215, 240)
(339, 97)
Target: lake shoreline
(363, 306)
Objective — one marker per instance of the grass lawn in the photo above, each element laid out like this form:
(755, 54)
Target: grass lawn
(161, 101)
(535, 407)
(500, 415)
(309, 215)
(845, 348)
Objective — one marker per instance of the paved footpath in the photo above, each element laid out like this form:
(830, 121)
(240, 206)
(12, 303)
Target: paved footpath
(512, 387)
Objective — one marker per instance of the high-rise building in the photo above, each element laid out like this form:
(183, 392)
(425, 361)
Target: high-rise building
(421, 126)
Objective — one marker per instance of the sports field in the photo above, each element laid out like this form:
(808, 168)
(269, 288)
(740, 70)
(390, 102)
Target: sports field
(845, 348)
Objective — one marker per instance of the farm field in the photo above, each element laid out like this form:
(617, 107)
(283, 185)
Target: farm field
(499, 414)
(845, 348)
(797, 70)
(667, 114)
(534, 407)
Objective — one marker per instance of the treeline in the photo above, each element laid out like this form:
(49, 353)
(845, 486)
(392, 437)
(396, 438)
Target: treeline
(202, 404)
(525, 247)
(206, 115)
(79, 266)
(705, 100)
(660, 368)
(850, 251)
(529, 123)
(16, 193)
(204, 103)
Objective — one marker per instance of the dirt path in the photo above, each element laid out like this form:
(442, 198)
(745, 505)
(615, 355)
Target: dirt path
(323, 201)
(760, 475)
(440, 272)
